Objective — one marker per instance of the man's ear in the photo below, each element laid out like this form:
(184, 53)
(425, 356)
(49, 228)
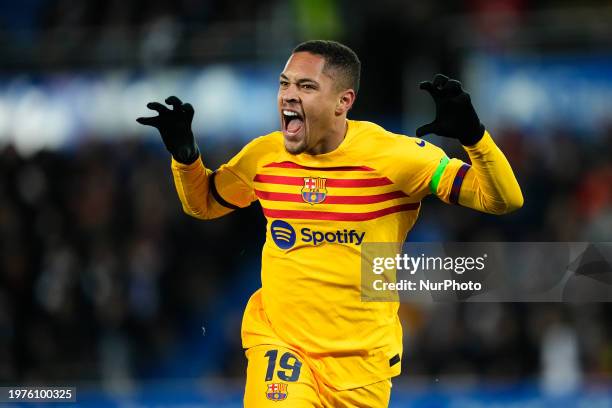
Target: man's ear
(345, 101)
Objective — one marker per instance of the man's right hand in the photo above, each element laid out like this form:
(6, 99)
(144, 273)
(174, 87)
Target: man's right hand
(174, 125)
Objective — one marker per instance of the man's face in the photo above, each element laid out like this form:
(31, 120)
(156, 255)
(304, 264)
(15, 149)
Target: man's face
(307, 101)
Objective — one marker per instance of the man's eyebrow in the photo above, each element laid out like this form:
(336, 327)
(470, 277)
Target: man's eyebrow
(301, 80)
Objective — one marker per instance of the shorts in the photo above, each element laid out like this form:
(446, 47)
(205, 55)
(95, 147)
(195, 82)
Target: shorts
(278, 377)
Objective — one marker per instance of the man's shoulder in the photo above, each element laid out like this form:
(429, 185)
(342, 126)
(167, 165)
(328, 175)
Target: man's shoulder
(262, 147)
(361, 128)
(374, 138)
(258, 150)
(272, 142)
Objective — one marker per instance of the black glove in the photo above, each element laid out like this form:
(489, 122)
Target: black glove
(455, 115)
(175, 128)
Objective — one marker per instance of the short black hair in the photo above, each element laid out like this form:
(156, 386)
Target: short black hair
(337, 57)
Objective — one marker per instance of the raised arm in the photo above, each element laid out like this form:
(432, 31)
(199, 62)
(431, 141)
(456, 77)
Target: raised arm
(196, 188)
(195, 184)
(488, 185)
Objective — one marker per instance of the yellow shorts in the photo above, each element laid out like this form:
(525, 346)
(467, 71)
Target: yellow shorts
(278, 377)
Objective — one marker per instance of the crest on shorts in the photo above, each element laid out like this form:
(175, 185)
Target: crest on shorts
(276, 391)
(314, 190)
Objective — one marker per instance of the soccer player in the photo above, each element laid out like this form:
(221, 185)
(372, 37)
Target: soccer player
(326, 185)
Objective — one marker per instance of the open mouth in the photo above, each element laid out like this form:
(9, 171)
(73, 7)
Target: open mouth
(293, 122)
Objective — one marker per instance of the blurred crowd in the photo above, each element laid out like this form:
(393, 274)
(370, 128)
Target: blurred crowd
(105, 278)
(393, 37)
(100, 268)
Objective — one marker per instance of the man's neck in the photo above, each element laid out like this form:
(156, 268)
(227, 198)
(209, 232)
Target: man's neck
(332, 140)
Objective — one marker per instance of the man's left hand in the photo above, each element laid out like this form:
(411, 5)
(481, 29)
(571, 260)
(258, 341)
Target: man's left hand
(455, 115)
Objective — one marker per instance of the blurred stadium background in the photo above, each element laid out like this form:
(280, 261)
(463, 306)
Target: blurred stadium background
(105, 284)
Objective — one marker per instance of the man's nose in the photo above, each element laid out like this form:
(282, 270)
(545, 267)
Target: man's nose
(289, 95)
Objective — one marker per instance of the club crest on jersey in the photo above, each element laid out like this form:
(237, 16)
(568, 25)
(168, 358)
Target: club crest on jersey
(276, 391)
(314, 191)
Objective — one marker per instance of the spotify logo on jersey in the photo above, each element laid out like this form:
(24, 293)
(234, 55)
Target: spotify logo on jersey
(283, 234)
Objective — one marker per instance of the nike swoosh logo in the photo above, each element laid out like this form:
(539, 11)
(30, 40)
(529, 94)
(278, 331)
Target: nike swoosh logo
(421, 143)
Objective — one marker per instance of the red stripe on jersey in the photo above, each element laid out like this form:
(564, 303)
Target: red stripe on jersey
(366, 199)
(292, 165)
(299, 181)
(267, 195)
(338, 216)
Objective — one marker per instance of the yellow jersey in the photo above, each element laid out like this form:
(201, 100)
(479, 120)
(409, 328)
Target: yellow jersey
(320, 210)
